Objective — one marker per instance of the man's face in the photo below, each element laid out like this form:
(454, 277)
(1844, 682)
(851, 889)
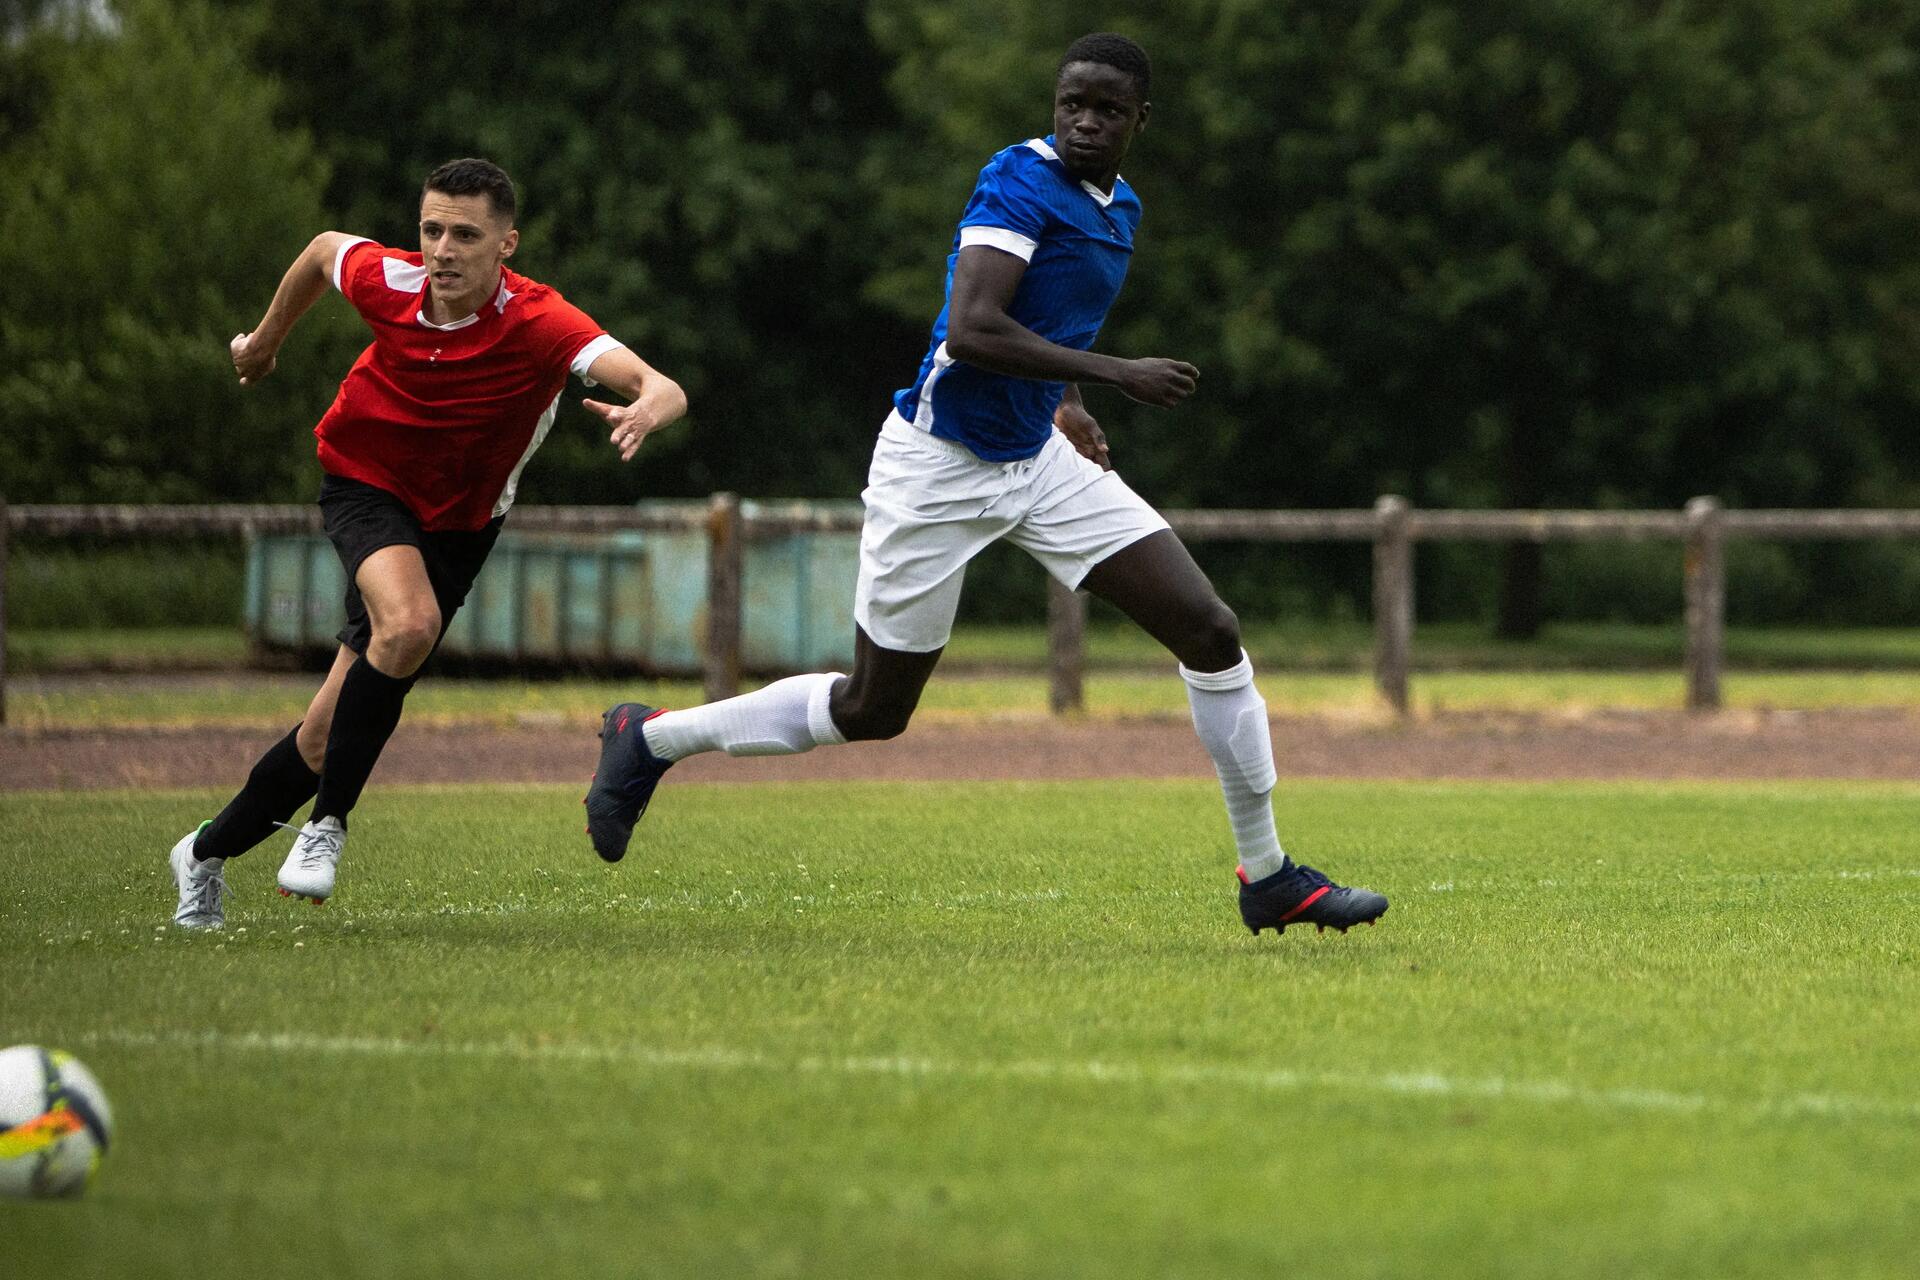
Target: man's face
(463, 242)
(1096, 112)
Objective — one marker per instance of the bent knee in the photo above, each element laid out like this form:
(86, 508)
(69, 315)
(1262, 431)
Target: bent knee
(409, 636)
(1212, 639)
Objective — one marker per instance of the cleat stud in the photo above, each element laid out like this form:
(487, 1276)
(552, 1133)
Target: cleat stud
(1319, 928)
(285, 894)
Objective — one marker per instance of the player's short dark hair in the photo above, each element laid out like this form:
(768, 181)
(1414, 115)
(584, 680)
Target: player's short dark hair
(1112, 50)
(475, 178)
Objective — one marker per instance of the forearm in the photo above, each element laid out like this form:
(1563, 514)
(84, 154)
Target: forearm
(641, 385)
(1000, 344)
(306, 280)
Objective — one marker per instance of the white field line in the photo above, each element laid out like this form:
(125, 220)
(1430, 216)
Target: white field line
(1433, 1085)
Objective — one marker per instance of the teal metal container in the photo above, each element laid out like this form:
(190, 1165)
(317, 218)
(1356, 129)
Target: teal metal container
(633, 600)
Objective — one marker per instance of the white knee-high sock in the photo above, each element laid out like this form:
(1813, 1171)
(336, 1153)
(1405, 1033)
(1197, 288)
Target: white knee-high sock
(1231, 719)
(785, 718)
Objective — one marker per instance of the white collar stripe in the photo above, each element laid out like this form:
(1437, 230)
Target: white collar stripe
(1103, 198)
(500, 301)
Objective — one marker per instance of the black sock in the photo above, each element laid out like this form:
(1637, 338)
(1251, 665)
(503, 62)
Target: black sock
(279, 784)
(363, 720)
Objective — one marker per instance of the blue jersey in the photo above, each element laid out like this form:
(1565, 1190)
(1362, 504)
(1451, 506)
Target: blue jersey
(1076, 240)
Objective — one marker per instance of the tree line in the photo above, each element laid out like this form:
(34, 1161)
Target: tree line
(1503, 253)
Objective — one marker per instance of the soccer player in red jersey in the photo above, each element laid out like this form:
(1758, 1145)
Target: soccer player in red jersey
(422, 449)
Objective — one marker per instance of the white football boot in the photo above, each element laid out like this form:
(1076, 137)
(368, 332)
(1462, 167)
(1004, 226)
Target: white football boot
(202, 884)
(309, 870)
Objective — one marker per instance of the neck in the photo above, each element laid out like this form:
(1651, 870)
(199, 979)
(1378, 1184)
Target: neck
(450, 310)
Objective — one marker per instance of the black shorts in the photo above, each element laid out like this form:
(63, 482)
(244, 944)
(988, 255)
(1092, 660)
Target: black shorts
(361, 518)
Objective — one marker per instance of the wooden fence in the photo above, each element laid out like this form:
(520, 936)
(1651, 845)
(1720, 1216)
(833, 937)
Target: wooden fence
(1392, 526)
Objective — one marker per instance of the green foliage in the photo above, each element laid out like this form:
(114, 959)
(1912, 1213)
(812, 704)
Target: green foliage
(146, 216)
(1529, 252)
(686, 171)
(99, 587)
(1526, 253)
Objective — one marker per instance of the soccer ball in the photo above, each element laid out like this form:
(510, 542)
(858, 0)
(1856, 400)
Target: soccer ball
(54, 1123)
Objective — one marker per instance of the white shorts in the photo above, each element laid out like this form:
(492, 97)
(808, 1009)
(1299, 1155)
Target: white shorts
(932, 506)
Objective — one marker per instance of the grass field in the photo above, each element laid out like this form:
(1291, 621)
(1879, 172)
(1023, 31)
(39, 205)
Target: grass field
(33, 704)
(1007, 1030)
(1113, 644)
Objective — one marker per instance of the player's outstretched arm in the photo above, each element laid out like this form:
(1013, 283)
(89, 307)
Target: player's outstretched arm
(656, 399)
(256, 353)
(980, 332)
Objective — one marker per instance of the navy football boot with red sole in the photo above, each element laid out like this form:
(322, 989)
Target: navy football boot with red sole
(624, 782)
(1300, 895)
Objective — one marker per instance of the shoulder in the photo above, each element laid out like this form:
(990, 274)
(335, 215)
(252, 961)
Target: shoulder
(547, 321)
(528, 293)
(366, 262)
(530, 301)
(1023, 164)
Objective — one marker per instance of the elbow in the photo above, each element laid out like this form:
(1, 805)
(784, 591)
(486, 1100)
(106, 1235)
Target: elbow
(322, 249)
(964, 340)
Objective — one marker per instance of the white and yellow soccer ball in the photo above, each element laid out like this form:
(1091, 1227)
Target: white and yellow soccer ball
(54, 1123)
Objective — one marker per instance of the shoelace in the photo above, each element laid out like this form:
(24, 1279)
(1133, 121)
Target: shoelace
(322, 847)
(211, 888)
(1311, 876)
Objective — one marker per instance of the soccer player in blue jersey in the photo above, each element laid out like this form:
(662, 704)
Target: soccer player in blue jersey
(993, 441)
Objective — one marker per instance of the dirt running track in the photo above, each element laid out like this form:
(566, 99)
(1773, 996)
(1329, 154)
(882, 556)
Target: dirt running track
(1831, 744)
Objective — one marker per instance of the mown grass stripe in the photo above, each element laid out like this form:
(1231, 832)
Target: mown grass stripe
(1149, 1075)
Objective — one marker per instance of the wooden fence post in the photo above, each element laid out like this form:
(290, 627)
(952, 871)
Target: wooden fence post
(1066, 647)
(1706, 596)
(1392, 601)
(725, 561)
(4, 551)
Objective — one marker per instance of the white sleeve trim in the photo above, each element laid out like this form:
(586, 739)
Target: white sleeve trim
(593, 351)
(1000, 238)
(340, 258)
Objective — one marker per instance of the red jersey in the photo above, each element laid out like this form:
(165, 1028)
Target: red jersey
(445, 417)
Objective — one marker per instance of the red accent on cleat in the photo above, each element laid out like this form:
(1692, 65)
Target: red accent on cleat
(1242, 873)
(1310, 899)
(285, 893)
